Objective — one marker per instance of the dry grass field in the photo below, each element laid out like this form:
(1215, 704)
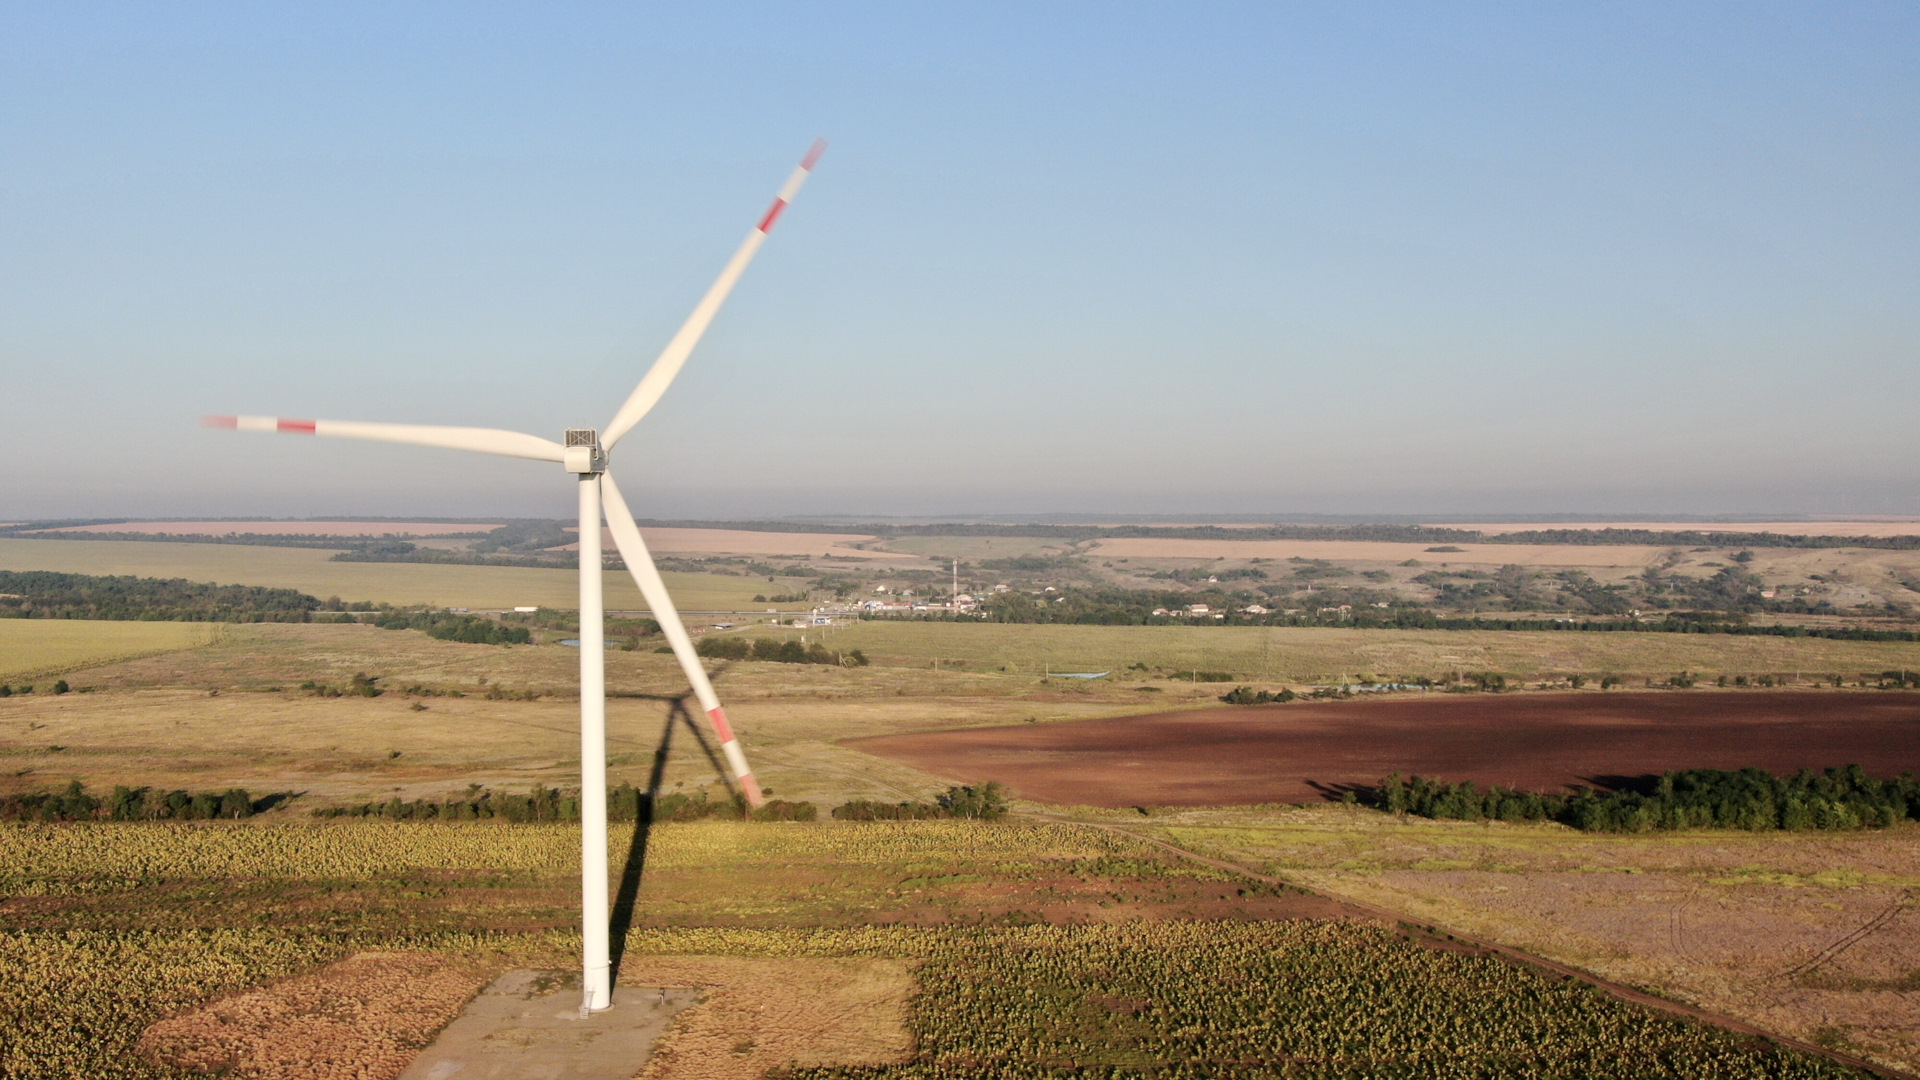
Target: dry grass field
(1760, 927)
(232, 713)
(312, 571)
(1322, 654)
(30, 647)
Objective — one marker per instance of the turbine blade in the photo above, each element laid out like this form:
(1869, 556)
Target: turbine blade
(482, 440)
(661, 375)
(626, 537)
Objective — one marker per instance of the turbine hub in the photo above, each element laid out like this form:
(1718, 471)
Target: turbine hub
(583, 451)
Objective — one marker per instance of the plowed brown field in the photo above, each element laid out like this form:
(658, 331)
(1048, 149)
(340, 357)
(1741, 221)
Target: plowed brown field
(1308, 751)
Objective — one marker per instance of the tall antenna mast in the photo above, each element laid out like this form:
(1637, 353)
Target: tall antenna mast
(956, 588)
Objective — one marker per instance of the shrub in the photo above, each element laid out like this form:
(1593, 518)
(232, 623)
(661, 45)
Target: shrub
(1247, 695)
(987, 802)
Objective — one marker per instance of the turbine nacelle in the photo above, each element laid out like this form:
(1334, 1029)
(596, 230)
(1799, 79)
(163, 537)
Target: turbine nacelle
(583, 453)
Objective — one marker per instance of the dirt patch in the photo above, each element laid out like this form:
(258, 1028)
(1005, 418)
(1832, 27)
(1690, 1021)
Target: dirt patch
(1306, 752)
(756, 1014)
(364, 1017)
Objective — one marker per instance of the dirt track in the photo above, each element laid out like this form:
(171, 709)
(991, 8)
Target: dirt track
(1304, 752)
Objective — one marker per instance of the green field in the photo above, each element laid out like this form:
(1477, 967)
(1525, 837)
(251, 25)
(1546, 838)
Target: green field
(1317, 654)
(51, 646)
(312, 571)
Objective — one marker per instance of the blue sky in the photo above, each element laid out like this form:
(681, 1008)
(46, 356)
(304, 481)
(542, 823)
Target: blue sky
(1132, 259)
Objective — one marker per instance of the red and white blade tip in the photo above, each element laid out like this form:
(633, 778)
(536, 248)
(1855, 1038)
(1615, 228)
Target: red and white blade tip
(792, 187)
(260, 423)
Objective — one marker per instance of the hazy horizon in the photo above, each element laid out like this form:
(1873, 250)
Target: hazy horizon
(1348, 260)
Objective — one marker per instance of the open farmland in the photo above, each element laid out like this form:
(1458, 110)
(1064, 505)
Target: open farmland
(1330, 654)
(1811, 934)
(311, 571)
(1032, 949)
(35, 647)
(127, 911)
(1305, 751)
(233, 711)
(1583, 556)
(1848, 527)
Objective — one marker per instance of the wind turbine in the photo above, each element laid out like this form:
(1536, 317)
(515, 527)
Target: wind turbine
(584, 454)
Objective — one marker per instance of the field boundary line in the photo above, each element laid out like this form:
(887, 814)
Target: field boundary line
(1518, 957)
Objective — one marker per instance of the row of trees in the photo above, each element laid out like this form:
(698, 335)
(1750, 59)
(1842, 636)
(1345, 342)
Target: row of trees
(777, 651)
(624, 803)
(43, 594)
(75, 803)
(473, 629)
(59, 687)
(1751, 799)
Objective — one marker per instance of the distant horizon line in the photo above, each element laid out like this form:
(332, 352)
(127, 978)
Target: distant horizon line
(1170, 519)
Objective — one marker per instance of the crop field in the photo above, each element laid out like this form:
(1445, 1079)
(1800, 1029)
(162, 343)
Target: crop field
(31, 647)
(1325, 654)
(1033, 950)
(1808, 934)
(1313, 750)
(311, 571)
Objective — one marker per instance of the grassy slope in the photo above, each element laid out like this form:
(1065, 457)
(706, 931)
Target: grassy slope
(312, 571)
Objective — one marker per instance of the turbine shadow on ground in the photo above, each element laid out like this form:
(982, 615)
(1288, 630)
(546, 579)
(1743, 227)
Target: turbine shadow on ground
(631, 874)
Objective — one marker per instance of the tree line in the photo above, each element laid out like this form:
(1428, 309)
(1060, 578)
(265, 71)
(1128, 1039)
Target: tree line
(44, 594)
(777, 651)
(1751, 799)
(447, 626)
(75, 803)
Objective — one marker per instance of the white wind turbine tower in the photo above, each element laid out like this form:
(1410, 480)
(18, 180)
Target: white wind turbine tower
(585, 455)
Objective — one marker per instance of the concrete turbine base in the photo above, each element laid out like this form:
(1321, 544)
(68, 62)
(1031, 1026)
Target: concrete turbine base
(528, 1025)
